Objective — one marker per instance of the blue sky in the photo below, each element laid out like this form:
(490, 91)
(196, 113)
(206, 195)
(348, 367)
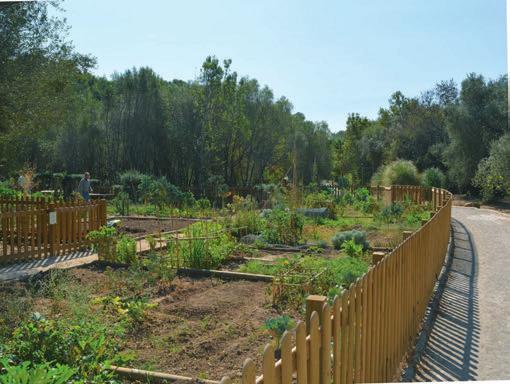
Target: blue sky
(329, 58)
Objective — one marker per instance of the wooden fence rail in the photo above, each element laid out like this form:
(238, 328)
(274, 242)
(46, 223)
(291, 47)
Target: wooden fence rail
(364, 335)
(26, 232)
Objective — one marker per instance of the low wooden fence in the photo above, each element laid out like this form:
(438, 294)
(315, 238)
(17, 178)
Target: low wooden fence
(36, 229)
(365, 334)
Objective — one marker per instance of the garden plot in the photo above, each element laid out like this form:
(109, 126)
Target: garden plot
(141, 226)
(151, 320)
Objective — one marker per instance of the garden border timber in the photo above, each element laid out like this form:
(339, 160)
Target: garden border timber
(161, 377)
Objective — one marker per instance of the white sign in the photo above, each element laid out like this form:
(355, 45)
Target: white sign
(53, 218)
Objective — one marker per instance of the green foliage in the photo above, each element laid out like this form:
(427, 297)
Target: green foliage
(277, 327)
(400, 172)
(126, 250)
(6, 191)
(477, 119)
(358, 237)
(318, 274)
(493, 174)
(321, 200)
(259, 268)
(352, 249)
(246, 222)
(433, 177)
(121, 203)
(203, 203)
(134, 309)
(391, 213)
(207, 247)
(86, 346)
(283, 227)
(363, 201)
(27, 372)
(130, 181)
(104, 240)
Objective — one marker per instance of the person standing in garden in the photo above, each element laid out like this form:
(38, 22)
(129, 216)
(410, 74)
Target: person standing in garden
(84, 187)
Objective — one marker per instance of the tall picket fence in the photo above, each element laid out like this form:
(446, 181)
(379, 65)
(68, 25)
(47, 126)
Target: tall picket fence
(27, 233)
(365, 334)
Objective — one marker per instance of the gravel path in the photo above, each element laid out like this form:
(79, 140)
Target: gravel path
(470, 338)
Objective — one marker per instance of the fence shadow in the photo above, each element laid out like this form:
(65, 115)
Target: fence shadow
(49, 261)
(452, 349)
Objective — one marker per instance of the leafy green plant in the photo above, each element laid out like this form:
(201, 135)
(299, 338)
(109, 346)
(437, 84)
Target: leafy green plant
(246, 222)
(203, 203)
(277, 327)
(85, 345)
(433, 177)
(359, 238)
(207, 245)
(391, 213)
(321, 200)
(26, 372)
(363, 201)
(126, 250)
(352, 249)
(121, 203)
(135, 309)
(283, 227)
(104, 241)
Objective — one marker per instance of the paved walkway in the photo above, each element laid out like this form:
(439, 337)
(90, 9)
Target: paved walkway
(470, 338)
(23, 270)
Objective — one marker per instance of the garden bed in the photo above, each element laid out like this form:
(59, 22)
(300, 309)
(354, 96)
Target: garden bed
(198, 327)
(136, 227)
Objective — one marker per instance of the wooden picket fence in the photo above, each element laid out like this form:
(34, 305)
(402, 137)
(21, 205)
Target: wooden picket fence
(366, 333)
(27, 234)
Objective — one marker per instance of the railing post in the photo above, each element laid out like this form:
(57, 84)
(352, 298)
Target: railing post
(314, 303)
(406, 234)
(52, 228)
(377, 256)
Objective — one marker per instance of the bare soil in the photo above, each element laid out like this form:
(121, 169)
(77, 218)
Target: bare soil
(201, 327)
(205, 328)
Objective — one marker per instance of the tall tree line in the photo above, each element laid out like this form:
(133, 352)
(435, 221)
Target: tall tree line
(219, 127)
(215, 127)
(444, 128)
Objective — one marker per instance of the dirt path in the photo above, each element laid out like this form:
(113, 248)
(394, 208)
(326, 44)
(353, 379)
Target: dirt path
(470, 338)
(25, 269)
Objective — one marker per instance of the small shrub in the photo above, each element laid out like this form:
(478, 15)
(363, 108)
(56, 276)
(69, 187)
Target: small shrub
(203, 203)
(352, 249)
(246, 222)
(400, 172)
(126, 250)
(433, 177)
(493, 175)
(83, 344)
(130, 181)
(321, 200)
(27, 372)
(6, 191)
(283, 227)
(121, 203)
(363, 201)
(391, 213)
(104, 241)
(359, 238)
(277, 327)
(134, 309)
(209, 246)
